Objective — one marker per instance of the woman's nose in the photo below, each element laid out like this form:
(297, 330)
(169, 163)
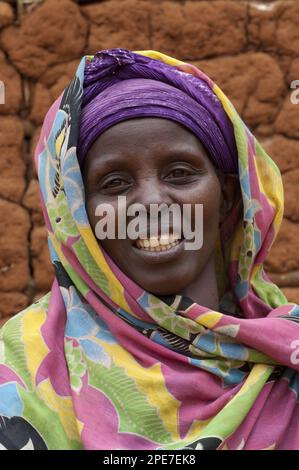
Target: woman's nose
(153, 199)
(151, 191)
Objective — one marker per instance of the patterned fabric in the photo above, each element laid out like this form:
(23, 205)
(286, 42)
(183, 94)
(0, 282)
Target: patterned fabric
(98, 363)
(120, 85)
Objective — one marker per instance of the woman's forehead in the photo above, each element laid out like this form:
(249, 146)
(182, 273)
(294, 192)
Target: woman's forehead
(149, 137)
(148, 128)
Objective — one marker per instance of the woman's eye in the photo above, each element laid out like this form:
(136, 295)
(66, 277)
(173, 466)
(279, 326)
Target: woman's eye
(183, 174)
(178, 173)
(115, 183)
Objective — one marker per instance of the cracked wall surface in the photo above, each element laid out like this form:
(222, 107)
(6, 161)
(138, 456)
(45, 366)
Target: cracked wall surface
(250, 49)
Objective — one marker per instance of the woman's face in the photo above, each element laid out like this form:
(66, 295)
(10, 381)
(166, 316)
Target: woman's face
(154, 160)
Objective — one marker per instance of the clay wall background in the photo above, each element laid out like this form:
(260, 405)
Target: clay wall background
(250, 49)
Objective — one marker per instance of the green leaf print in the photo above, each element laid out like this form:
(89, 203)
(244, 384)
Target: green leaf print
(13, 349)
(61, 218)
(47, 422)
(91, 267)
(135, 413)
(167, 318)
(77, 367)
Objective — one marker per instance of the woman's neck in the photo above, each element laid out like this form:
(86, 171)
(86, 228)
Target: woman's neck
(204, 290)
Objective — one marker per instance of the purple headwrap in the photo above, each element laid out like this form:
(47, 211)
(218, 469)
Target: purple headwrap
(120, 84)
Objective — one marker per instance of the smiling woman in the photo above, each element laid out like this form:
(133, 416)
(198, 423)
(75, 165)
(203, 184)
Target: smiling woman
(158, 161)
(142, 344)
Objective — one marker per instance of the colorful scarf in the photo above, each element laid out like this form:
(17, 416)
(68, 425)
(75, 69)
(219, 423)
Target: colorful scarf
(98, 363)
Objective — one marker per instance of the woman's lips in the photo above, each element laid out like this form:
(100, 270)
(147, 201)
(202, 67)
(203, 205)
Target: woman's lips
(159, 250)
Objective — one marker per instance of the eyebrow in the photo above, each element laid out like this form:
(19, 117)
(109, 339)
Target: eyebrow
(114, 159)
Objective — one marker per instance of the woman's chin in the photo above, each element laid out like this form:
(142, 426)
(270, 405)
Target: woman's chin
(160, 287)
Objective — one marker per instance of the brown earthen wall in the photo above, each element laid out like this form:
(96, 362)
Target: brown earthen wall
(250, 49)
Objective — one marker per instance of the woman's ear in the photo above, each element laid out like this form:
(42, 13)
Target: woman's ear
(230, 192)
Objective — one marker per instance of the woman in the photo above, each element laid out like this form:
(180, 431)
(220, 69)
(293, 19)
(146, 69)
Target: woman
(137, 346)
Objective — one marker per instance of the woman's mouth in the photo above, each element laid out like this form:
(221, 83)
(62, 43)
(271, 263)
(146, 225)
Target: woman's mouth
(162, 243)
(159, 249)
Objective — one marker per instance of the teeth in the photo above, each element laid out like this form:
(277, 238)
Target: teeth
(154, 242)
(164, 242)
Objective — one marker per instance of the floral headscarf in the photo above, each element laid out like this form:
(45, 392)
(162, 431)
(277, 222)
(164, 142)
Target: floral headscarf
(99, 363)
